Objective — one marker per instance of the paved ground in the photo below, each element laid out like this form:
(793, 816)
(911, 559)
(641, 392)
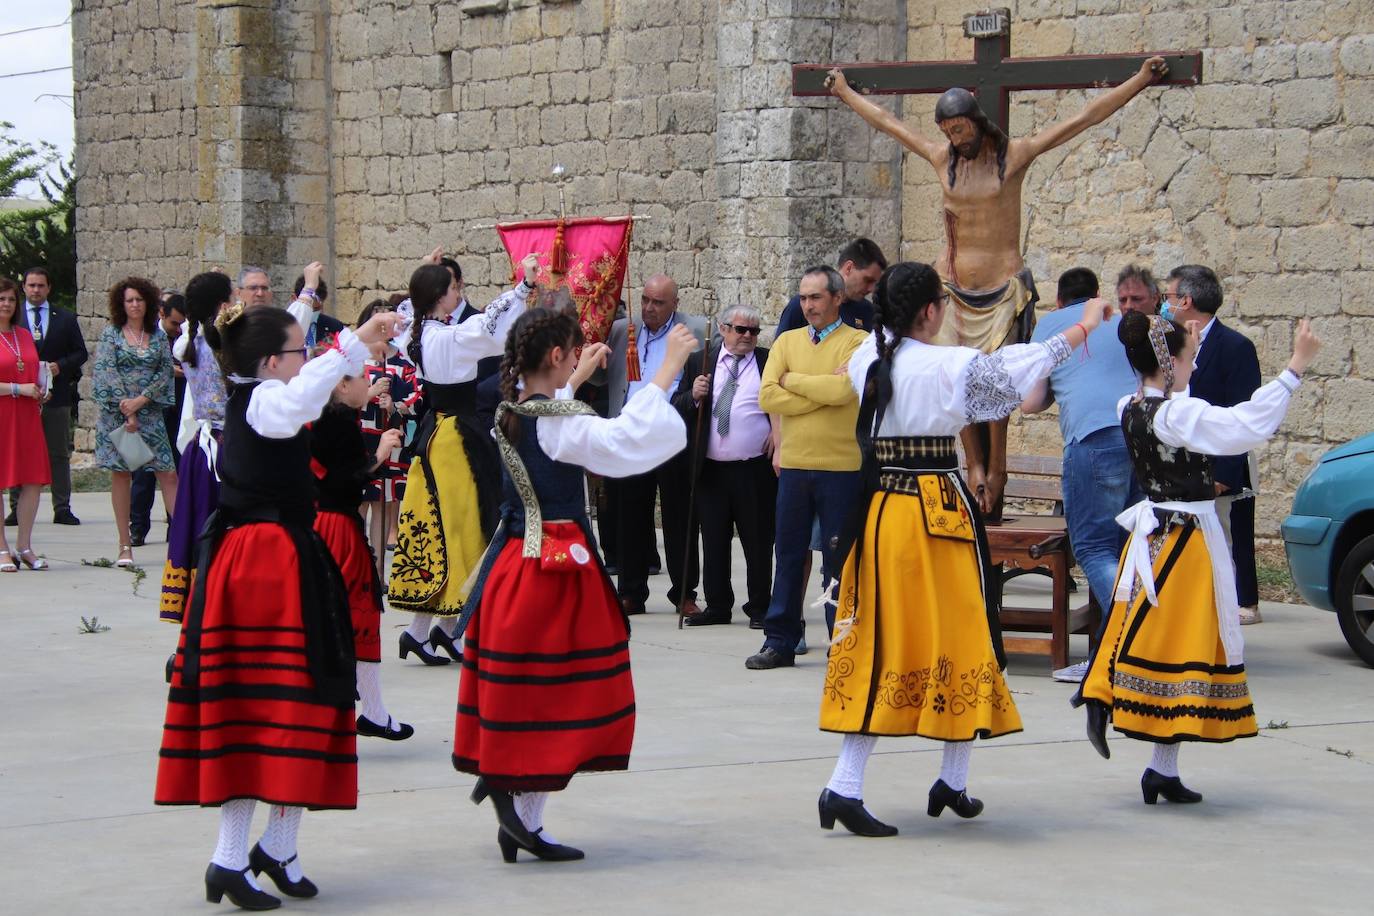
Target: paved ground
(717, 815)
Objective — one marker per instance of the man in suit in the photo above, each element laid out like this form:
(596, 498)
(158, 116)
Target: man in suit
(57, 335)
(860, 264)
(255, 287)
(658, 315)
(730, 441)
(1226, 373)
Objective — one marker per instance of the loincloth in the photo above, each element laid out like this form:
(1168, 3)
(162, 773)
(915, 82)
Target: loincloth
(989, 319)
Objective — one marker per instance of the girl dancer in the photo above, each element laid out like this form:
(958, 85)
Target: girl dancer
(344, 465)
(448, 512)
(197, 479)
(393, 400)
(1170, 665)
(261, 702)
(916, 649)
(546, 689)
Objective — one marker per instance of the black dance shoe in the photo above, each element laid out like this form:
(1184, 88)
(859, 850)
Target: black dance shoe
(410, 644)
(369, 729)
(220, 881)
(851, 813)
(942, 797)
(1153, 785)
(506, 815)
(441, 640)
(171, 666)
(549, 852)
(1097, 727)
(263, 864)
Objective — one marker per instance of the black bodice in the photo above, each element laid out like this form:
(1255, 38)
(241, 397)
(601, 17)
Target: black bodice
(336, 444)
(1165, 473)
(454, 399)
(263, 477)
(558, 485)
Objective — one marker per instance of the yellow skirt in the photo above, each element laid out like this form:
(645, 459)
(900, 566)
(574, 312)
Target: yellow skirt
(439, 537)
(1162, 670)
(913, 652)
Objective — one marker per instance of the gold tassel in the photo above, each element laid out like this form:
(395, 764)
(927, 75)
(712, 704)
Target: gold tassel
(632, 373)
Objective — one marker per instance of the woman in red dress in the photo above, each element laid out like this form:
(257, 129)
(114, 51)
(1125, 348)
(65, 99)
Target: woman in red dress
(23, 456)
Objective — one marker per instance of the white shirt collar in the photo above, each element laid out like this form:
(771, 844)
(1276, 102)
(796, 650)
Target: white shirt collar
(1202, 335)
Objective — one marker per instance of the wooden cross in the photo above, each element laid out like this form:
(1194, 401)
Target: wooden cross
(993, 74)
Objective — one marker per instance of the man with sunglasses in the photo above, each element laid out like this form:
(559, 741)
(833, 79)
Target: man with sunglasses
(730, 444)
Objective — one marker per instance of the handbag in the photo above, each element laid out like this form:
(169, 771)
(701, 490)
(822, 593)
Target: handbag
(131, 447)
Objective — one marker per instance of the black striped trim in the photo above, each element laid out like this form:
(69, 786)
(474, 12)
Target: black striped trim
(264, 750)
(1186, 710)
(239, 666)
(194, 695)
(1177, 739)
(255, 723)
(237, 628)
(597, 674)
(544, 657)
(496, 725)
(216, 650)
(544, 782)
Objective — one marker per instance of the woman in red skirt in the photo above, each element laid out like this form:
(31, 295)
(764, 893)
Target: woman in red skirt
(546, 690)
(23, 459)
(261, 702)
(345, 466)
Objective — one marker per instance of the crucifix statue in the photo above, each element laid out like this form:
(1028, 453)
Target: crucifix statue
(981, 171)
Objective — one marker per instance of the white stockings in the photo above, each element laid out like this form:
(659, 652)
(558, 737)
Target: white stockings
(1165, 760)
(235, 821)
(848, 778)
(370, 693)
(279, 839)
(954, 766)
(530, 807)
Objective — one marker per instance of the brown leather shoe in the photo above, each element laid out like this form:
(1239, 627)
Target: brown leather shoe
(690, 608)
(631, 607)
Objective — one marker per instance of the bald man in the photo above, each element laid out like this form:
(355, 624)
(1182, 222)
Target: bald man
(670, 481)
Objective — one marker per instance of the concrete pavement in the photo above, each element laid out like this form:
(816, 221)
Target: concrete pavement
(718, 812)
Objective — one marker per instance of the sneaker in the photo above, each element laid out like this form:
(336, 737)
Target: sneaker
(1249, 615)
(1073, 674)
(65, 517)
(801, 647)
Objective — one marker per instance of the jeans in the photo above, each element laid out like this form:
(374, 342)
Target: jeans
(1099, 483)
(803, 495)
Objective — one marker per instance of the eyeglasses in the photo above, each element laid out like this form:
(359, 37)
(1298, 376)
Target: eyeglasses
(303, 352)
(743, 329)
(258, 289)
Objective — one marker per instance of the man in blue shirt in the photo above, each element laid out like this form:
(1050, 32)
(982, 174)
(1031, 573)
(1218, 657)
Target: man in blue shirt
(1098, 480)
(861, 263)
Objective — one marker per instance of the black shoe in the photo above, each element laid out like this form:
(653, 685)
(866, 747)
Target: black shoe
(612, 569)
(769, 658)
(410, 644)
(171, 666)
(65, 517)
(756, 623)
(942, 797)
(549, 852)
(506, 814)
(369, 729)
(220, 881)
(1097, 727)
(852, 814)
(655, 570)
(12, 519)
(708, 617)
(1153, 785)
(631, 607)
(138, 539)
(441, 640)
(262, 863)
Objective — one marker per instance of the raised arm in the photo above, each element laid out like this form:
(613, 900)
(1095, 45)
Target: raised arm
(1093, 113)
(881, 119)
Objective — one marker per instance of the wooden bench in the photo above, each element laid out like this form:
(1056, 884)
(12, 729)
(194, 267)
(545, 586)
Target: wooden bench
(1039, 543)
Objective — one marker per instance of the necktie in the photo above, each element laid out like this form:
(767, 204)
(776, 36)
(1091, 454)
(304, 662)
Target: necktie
(815, 336)
(727, 396)
(310, 336)
(37, 323)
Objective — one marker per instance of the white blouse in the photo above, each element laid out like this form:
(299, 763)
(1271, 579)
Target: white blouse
(647, 433)
(1188, 422)
(451, 351)
(937, 391)
(279, 409)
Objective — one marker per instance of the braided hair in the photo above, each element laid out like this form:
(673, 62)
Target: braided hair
(1148, 339)
(901, 301)
(535, 333)
(242, 339)
(428, 285)
(205, 295)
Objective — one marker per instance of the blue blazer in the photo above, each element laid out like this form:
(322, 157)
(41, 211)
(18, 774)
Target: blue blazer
(1227, 374)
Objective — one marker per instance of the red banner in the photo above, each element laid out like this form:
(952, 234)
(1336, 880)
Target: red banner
(597, 254)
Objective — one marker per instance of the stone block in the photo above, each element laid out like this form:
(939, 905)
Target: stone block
(1322, 247)
(1353, 203)
(1255, 249)
(1291, 152)
(1244, 152)
(1306, 103)
(1357, 55)
(1357, 292)
(1294, 201)
(1165, 155)
(1232, 106)
(1343, 152)
(1196, 187)
(1346, 411)
(1290, 295)
(1316, 59)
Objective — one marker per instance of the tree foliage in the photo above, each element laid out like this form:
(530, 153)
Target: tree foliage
(43, 234)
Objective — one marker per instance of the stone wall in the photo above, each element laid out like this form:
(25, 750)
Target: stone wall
(1265, 172)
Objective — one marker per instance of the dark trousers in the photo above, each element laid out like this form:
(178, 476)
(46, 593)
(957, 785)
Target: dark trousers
(144, 485)
(802, 496)
(635, 531)
(1243, 551)
(737, 496)
(57, 432)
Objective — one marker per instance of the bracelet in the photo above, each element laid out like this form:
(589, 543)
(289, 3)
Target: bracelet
(14, 390)
(1079, 325)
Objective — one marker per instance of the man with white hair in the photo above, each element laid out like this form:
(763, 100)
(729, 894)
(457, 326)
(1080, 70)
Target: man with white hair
(730, 443)
(255, 287)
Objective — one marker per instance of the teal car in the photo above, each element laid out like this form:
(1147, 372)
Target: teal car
(1329, 539)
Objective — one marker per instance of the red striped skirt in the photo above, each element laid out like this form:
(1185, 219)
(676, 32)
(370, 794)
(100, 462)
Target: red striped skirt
(546, 690)
(254, 726)
(342, 533)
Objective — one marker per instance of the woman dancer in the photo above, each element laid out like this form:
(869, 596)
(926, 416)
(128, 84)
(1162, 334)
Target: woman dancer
(916, 649)
(448, 512)
(261, 702)
(1170, 666)
(344, 464)
(546, 690)
(197, 479)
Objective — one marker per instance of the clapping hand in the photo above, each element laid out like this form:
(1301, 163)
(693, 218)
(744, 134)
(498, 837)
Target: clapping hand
(529, 264)
(593, 357)
(1305, 347)
(312, 273)
(380, 327)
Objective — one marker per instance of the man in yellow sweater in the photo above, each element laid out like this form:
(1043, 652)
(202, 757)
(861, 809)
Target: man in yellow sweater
(806, 381)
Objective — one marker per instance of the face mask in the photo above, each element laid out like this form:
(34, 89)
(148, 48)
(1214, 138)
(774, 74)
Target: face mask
(1167, 310)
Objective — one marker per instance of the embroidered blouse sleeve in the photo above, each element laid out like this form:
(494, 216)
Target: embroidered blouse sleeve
(994, 384)
(451, 352)
(1192, 423)
(647, 433)
(278, 410)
